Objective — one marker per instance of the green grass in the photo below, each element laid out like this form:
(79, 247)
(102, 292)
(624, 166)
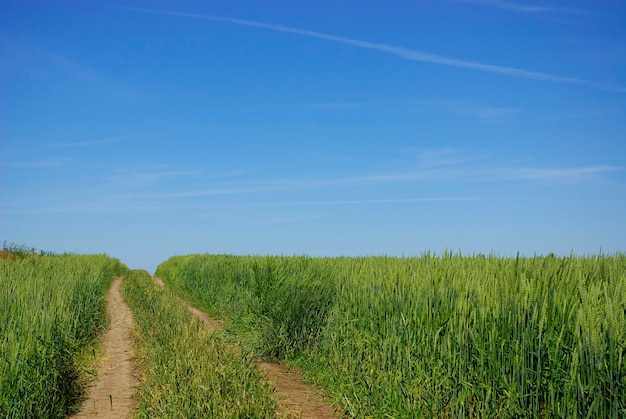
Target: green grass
(51, 309)
(187, 372)
(431, 336)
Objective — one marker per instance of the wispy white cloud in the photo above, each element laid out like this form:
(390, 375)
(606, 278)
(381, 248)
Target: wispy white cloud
(42, 64)
(90, 143)
(434, 167)
(205, 192)
(290, 219)
(482, 112)
(565, 173)
(406, 53)
(478, 173)
(231, 189)
(434, 158)
(491, 114)
(231, 173)
(157, 189)
(340, 106)
(542, 10)
(577, 114)
(458, 164)
(359, 202)
(125, 175)
(38, 62)
(138, 176)
(36, 164)
(518, 6)
(135, 204)
(133, 179)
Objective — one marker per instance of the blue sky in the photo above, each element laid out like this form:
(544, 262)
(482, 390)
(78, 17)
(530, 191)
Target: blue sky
(150, 129)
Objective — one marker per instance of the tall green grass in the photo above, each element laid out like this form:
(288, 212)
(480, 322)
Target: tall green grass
(187, 372)
(434, 335)
(279, 304)
(51, 307)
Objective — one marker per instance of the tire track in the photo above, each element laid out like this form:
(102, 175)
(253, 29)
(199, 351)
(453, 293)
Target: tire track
(112, 393)
(296, 398)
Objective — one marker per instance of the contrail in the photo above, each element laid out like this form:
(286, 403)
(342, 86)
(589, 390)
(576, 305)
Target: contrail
(407, 53)
(520, 7)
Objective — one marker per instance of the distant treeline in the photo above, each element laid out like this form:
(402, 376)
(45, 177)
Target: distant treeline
(15, 251)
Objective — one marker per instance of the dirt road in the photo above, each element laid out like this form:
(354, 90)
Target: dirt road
(112, 393)
(297, 399)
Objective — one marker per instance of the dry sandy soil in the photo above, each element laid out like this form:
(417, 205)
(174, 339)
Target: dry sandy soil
(111, 395)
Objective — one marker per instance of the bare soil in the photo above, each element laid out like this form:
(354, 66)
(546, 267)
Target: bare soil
(297, 399)
(111, 395)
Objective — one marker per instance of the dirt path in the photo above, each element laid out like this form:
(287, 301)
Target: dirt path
(111, 395)
(297, 399)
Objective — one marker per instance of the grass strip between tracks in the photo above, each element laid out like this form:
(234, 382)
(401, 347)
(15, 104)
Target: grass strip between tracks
(187, 371)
